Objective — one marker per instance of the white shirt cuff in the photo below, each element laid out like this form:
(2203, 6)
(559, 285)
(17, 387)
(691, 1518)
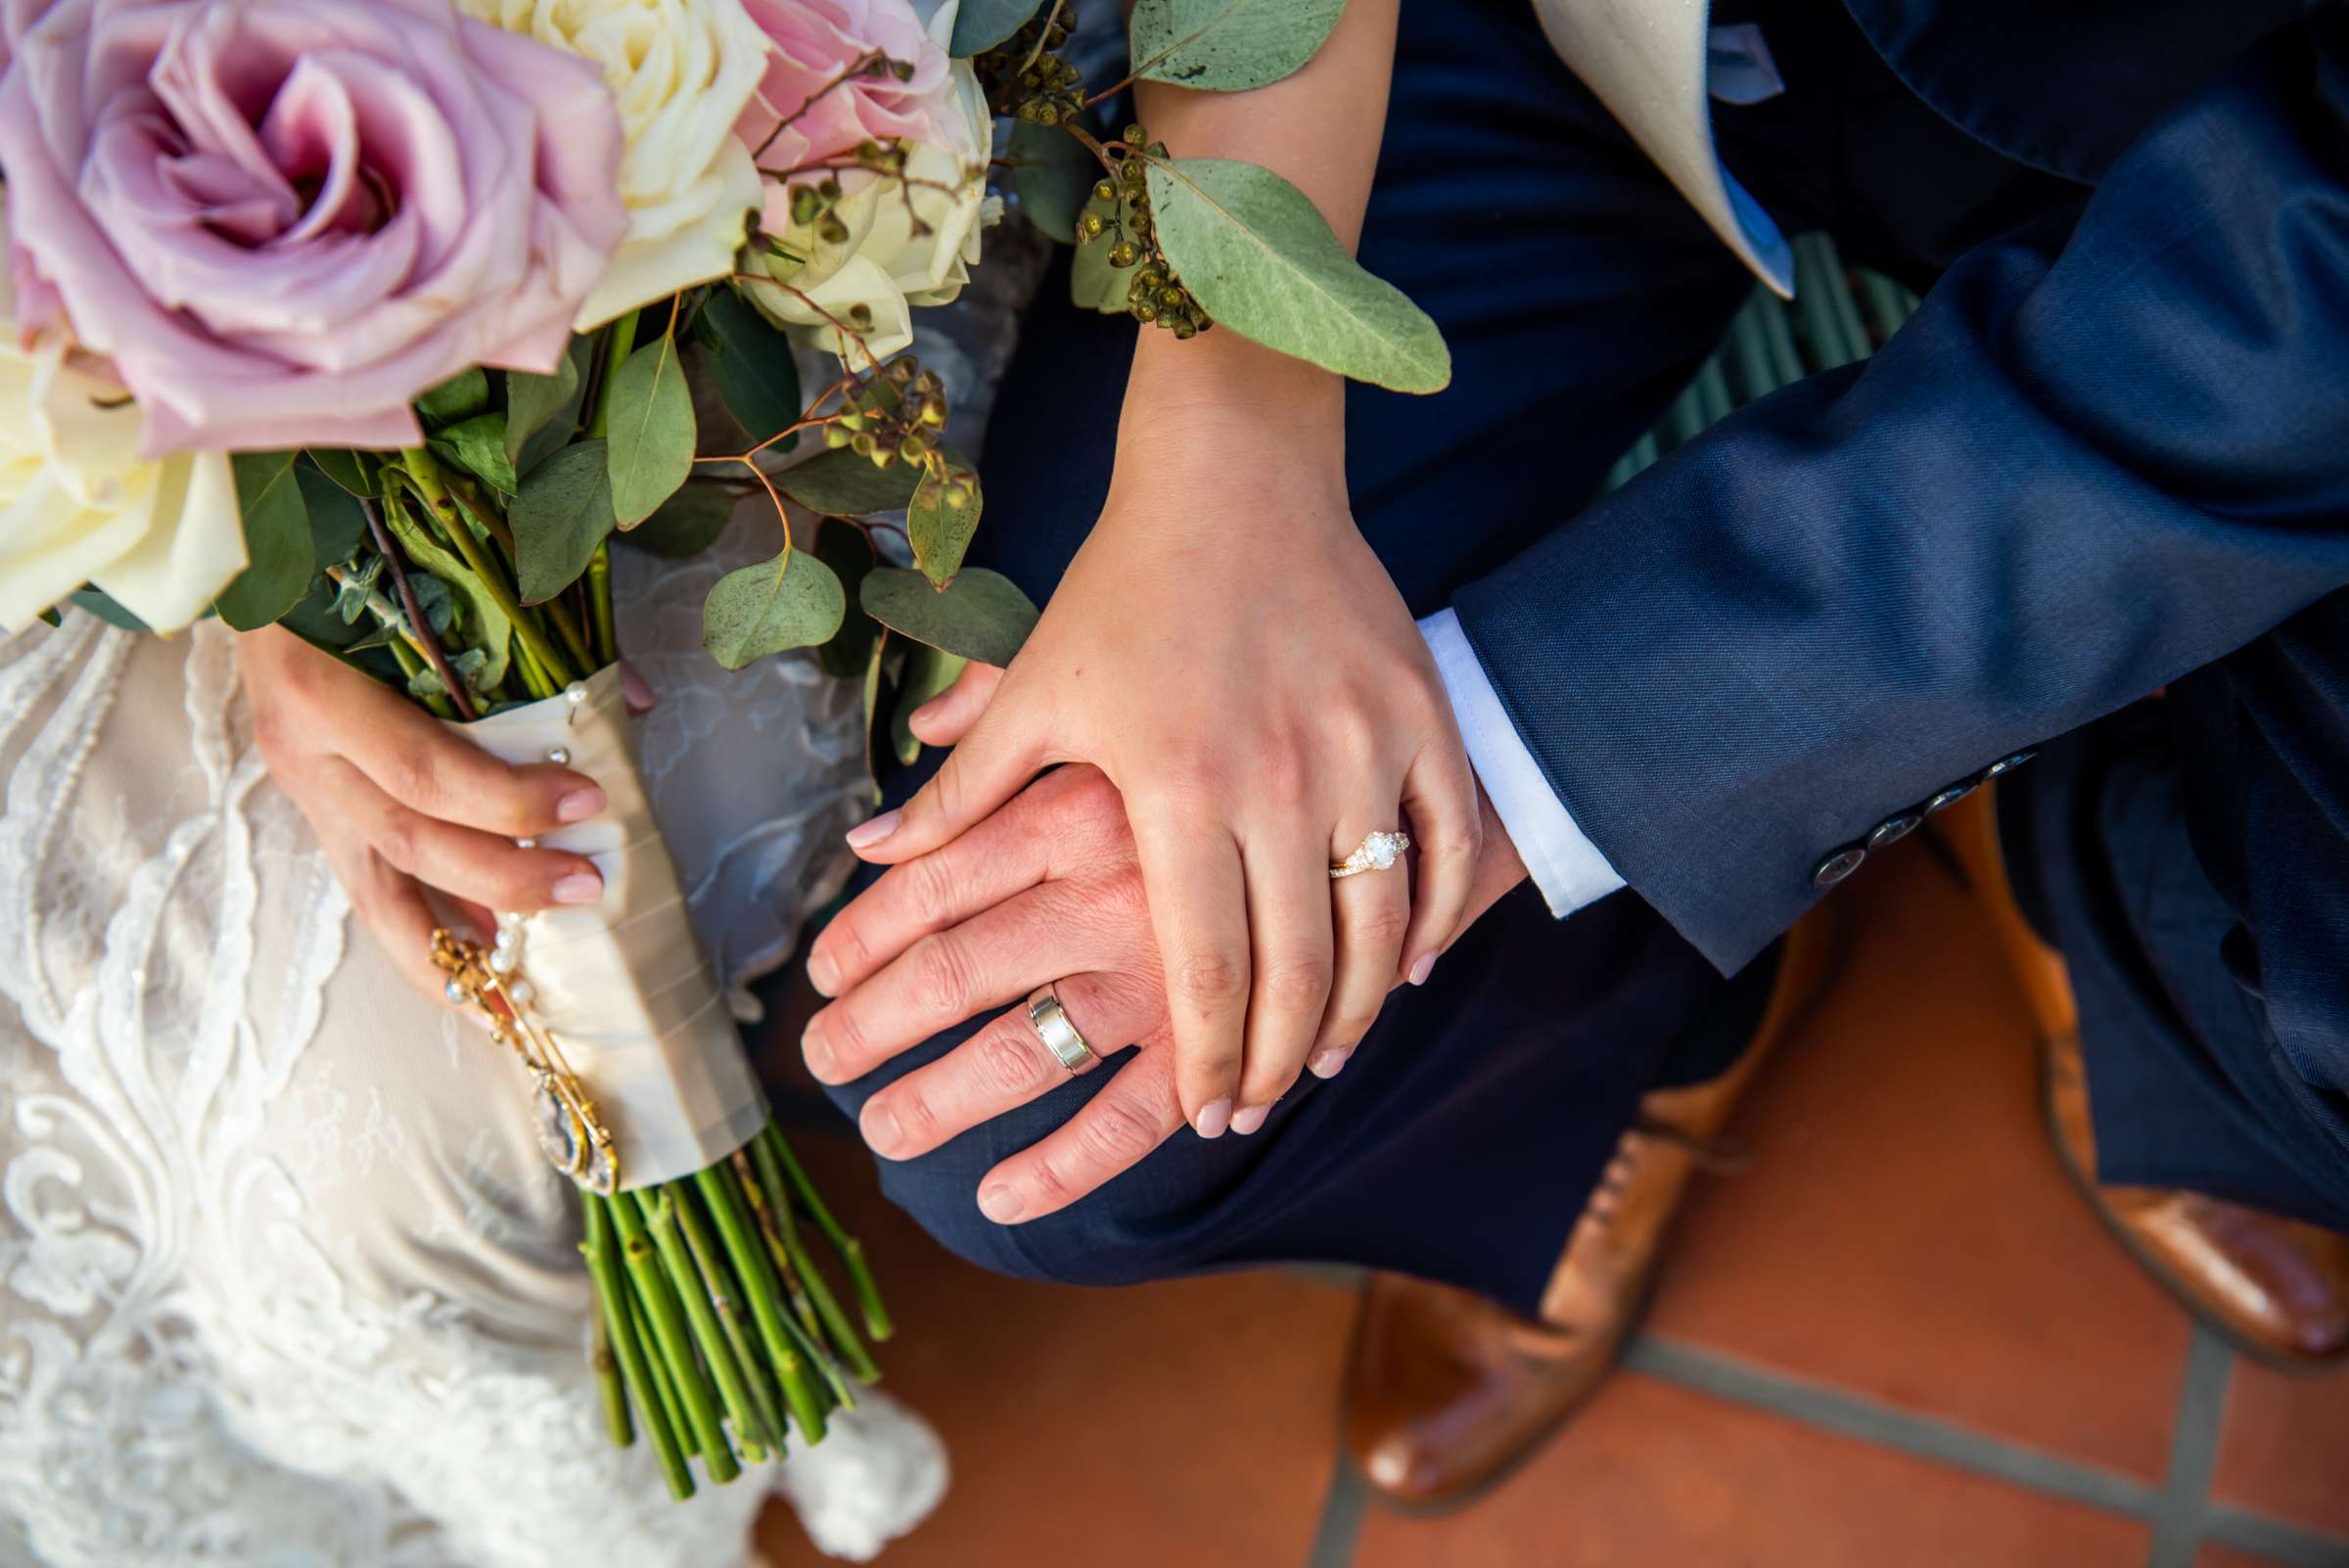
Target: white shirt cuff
(1564, 863)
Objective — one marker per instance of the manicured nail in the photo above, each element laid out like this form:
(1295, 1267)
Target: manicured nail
(823, 973)
(1213, 1117)
(580, 887)
(1425, 967)
(864, 835)
(1249, 1118)
(1001, 1203)
(1328, 1063)
(816, 1050)
(580, 804)
(636, 692)
(880, 1127)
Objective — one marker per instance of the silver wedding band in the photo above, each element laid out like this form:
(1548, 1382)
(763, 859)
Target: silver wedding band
(1060, 1037)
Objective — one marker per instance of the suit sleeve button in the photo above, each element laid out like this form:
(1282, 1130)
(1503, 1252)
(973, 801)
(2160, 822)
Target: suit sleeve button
(1894, 828)
(1949, 797)
(2007, 765)
(1835, 867)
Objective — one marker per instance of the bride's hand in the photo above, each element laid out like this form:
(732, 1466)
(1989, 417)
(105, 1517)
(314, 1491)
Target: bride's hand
(398, 804)
(1229, 651)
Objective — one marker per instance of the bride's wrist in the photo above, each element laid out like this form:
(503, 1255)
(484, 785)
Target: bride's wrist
(1218, 406)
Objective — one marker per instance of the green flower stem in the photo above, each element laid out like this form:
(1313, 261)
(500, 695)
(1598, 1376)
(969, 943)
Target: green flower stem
(567, 626)
(599, 594)
(443, 508)
(636, 1368)
(411, 666)
(616, 349)
(601, 1354)
(676, 1339)
(850, 1250)
(805, 1328)
(767, 1409)
(659, 1207)
(842, 1335)
(533, 679)
(751, 1264)
(640, 1324)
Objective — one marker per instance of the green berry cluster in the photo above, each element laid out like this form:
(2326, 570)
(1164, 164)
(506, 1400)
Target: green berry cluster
(811, 207)
(896, 416)
(1026, 81)
(1120, 207)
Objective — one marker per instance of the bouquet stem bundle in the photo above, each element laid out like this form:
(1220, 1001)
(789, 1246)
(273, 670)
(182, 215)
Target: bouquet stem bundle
(715, 1329)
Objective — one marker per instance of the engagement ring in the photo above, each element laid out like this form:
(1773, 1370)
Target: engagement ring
(1378, 852)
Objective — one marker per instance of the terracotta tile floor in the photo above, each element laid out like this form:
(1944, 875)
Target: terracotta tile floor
(1896, 1339)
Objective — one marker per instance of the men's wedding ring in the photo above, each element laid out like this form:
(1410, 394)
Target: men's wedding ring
(1376, 853)
(1060, 1037)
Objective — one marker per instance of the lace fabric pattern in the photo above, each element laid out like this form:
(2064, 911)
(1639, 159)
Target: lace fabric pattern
(282, 1279)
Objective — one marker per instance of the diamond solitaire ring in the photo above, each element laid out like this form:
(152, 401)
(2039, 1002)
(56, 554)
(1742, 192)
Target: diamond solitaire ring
(1378, 852)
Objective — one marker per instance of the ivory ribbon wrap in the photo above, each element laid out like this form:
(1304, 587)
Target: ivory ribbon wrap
(623, 984)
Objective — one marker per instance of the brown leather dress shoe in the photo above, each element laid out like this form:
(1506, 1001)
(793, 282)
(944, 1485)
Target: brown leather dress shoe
(1448, 1391)
(2276, 1288)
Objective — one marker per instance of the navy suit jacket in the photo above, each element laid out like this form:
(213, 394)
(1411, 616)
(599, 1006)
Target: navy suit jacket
(2110, 451)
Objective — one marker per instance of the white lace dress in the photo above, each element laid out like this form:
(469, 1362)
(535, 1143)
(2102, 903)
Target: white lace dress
(283, 1278)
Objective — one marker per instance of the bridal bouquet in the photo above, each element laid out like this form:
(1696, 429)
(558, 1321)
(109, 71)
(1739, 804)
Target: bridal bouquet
(380, 320)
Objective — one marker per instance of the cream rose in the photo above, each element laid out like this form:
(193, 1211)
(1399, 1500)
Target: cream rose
(78, 504)
(888, 262)
(681, 72)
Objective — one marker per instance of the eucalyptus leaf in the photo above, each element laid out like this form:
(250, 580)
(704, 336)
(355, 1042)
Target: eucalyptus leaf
(793, 601)
(1054, 175)
(352, 592)
(939, 531)
(338, 523)
(103, 606)
(563, 512)
(839, 483)
(538, 423)
(279, 555)
(928, 673)
(751, 360)
(1257, 255)
(981, 24)
(1228, 46)
(350, 471)
(650, 434)
(485, 623)
(467, 666)
(461, 396)
(687, 524)
(983, 615)
(844, 548)
(436, 599)
(478, 445)
(1095, 285)
(313, 620)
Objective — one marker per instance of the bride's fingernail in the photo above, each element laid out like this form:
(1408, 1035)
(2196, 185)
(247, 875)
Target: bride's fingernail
(864, 835)
(1326, 1064)
(1249, 1118)
(580, 804)
(636, 692)
(1425, 967)
(1213, 1117)
(823, 973)
(1001, 1203)
(580, 887)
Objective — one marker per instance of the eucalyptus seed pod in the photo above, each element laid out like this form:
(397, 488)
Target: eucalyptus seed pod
(1124, 254)
(914, 448)
(1103, 191)
(1136, 136)
(863, 444)
(835, 437)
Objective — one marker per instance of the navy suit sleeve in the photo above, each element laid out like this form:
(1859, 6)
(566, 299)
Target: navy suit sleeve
(2111, 447)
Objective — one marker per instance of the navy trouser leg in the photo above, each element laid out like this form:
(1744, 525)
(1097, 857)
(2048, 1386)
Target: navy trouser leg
(1578, 292)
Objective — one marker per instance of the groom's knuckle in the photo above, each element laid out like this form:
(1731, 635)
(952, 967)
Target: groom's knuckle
(917, 1118)
(1115, 1134)
(929, 889)
(943, 978)
(1050, 1184)
(1005, 1063)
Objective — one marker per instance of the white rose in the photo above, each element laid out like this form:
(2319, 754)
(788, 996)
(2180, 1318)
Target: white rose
(78, 504)
(681, 72)
(884, 268)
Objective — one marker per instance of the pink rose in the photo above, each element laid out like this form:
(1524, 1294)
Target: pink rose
(283, 219)
(815, 41)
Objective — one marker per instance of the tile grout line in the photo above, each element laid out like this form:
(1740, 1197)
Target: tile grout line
(1340, 1526)
(2185, 1497)
(2273, 1539)
(1887, 1426)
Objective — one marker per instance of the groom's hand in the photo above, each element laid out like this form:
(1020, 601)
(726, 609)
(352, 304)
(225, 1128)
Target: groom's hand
(1047, 889)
